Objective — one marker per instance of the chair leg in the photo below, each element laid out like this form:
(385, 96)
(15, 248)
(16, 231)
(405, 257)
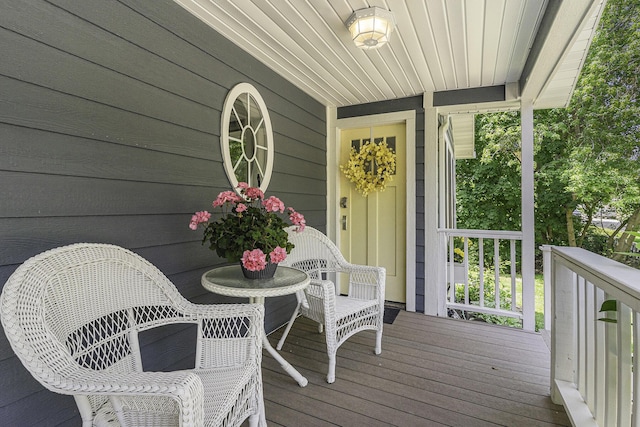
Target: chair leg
(259, 419)
(331, 375)
(288, 328)
(254, 420)
(378, 341)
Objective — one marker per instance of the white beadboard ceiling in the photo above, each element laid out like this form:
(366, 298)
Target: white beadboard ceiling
(438, 45)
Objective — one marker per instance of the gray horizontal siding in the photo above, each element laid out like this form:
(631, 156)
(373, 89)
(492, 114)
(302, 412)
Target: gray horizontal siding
(109, 132)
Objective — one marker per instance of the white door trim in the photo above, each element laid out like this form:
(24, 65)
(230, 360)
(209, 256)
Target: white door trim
(333, 158)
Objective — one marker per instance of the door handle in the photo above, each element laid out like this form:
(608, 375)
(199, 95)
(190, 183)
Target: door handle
(344, 222)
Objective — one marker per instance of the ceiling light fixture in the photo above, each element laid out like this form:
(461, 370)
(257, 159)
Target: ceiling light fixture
(370, 28)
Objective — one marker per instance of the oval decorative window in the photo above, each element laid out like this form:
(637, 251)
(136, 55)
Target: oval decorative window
(247, 138)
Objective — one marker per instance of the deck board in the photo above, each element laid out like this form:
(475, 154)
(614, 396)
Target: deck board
(432, 372)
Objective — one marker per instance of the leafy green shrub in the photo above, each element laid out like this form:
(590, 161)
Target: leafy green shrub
(505, 300)
(489, 299)
(595, 240)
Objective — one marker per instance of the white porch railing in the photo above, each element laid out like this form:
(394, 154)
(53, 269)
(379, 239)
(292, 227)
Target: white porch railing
(506, 301)
(593, 362)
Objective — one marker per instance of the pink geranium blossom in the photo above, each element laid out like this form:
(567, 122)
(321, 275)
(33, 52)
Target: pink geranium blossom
(242, 185)
(278, 255)
(241, 207)
(199, 218)
(297, 219)
(254, 193)
(254, 260)
(273, 204)
(226, 196)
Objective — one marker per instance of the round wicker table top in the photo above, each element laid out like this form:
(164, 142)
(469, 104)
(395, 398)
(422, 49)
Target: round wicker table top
(230, 281)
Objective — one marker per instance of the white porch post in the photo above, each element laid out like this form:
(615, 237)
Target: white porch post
(332, 181)
(528, 230)
(546, 269)
(563, 341)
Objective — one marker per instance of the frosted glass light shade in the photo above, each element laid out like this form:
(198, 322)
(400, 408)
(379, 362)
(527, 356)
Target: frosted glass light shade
(370, 28)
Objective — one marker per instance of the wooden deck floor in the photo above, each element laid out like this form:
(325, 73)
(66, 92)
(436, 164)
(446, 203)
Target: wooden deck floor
(432, 372)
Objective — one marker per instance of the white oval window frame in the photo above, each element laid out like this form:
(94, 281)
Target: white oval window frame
(245, 89)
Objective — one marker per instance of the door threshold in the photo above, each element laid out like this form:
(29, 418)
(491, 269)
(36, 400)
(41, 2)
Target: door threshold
(398, 305)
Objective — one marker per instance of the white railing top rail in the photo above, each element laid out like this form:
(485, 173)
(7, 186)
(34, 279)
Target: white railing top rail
(619, 281)
(594, 366)
(486, 234)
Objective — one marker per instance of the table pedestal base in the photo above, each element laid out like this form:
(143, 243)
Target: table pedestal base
(293, 372)
(286, 366)
(230, 281)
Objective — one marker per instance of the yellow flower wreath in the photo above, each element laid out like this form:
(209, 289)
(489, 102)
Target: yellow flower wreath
(371, 167)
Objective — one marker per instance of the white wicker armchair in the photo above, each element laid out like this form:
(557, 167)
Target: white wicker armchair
(73, 314)
(341, 316)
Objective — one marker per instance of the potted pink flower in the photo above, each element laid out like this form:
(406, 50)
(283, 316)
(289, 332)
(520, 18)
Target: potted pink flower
(250, 231)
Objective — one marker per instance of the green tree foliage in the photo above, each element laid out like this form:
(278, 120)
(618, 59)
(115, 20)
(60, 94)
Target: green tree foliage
(586, 156)
(604, 118)
(554, 204)
(488, 189)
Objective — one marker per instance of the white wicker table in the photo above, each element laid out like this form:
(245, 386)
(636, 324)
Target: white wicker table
(231, 282)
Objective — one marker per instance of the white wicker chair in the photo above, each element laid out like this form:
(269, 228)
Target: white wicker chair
(73, 314)
(341, 316)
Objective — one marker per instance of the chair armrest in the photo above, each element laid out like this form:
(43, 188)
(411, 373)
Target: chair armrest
(221, 311)
(229, 335)
(320, 297)
(324, 289)
(136, 390)
(365, 281)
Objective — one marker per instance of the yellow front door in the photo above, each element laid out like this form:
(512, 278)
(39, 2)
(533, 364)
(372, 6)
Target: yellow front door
(373, 227)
